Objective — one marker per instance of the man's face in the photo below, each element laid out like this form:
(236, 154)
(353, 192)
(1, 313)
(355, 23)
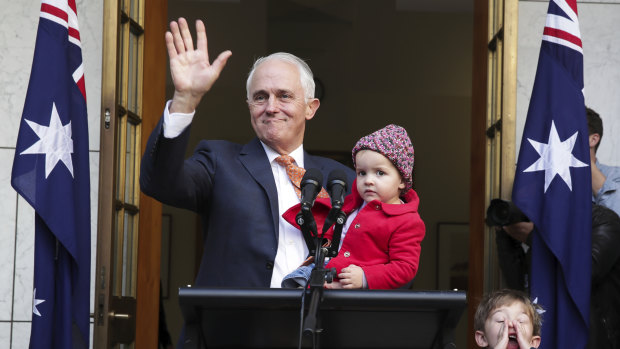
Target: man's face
(278, 107)
(508, 327)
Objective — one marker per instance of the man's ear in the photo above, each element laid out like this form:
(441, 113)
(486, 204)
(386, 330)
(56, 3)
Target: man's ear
(481, 339)
(313, 106)
(594, 139)
(535, 342)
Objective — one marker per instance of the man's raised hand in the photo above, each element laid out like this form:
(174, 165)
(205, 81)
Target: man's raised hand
(192, 74)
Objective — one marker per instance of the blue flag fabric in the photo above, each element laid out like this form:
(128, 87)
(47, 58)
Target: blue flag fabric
(553, 182)
(51, 172)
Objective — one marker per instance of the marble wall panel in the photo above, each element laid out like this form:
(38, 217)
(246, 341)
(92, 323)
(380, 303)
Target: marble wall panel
(21, 335)
(601, 45)
(5, 334)
(8, 205)
(16, 54)
(24, 262)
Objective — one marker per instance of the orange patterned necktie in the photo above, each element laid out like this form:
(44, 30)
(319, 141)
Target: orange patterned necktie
(296, 173)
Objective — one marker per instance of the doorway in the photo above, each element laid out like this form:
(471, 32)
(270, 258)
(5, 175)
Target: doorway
(377, 62)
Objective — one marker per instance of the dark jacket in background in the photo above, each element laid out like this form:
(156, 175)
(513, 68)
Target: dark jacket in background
(605, 296)
(514, 262)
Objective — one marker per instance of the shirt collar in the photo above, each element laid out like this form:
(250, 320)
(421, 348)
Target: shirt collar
(297, 154)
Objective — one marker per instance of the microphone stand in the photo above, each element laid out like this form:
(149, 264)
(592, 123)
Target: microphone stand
(306, 222)
(320, 275)
(335, 215)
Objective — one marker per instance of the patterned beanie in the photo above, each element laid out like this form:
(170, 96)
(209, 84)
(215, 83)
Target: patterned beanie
(392, 142)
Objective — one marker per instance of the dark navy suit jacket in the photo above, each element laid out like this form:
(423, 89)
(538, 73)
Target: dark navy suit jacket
(232, 187)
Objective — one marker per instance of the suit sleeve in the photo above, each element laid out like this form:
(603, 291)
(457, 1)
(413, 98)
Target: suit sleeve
(167, 177)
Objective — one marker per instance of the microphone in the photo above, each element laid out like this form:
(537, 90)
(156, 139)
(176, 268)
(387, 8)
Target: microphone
(336, 187)
(310, 187)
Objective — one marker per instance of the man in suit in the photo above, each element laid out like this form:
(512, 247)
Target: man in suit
(240, 191)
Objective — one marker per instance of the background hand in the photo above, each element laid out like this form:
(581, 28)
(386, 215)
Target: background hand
(519, 231)
(192, 74)
(598, 178)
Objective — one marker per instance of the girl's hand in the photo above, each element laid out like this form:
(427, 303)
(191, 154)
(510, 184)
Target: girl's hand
(351, 277)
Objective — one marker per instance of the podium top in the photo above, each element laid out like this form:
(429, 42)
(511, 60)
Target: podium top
(270, 318)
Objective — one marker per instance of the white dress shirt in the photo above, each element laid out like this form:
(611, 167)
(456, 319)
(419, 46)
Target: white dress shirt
(292, 249)
(176, 123)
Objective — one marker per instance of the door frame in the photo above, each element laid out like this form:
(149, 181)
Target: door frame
(493, 124)
(148, 249)
(149, 246)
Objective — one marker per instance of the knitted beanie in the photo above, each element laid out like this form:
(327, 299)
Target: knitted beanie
(392, 142)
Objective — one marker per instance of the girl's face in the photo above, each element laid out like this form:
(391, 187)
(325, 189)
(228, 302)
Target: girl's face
(377, 177)
(508, 327)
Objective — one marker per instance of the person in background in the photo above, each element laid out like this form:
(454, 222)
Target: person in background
(605, 179)
(382, 236)
(605, 293)
(514, 241)
(507, 319)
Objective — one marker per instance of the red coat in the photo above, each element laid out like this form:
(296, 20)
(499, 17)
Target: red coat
(383, 239)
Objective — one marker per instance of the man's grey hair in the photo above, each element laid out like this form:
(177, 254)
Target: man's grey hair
(305, 74)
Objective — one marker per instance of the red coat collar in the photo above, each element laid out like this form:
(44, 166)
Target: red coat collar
(352, 202)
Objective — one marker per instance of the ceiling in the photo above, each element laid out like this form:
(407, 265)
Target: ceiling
(458, 6)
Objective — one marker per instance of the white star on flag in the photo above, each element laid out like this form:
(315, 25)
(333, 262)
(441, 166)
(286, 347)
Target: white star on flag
(36, 302)
(556, 158)
(539, 309)
(54, 141)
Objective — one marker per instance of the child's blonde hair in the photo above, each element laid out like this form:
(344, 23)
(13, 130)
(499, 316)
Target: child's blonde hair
(507, 297)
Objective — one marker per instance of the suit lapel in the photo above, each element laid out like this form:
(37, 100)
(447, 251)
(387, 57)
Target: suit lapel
(254, 159)
(310, 162)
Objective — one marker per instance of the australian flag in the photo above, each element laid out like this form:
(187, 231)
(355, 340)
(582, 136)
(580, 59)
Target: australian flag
(51, 172)
(553, 182)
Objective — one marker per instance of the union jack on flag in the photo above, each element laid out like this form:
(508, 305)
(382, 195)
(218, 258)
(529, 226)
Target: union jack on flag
(553, 182)
(51, 172)
(562, 26)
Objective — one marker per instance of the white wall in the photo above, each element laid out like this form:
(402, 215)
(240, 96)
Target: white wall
(599, 26)
(18, 27)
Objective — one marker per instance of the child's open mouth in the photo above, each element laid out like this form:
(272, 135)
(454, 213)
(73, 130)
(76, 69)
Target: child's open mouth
(512, 342)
